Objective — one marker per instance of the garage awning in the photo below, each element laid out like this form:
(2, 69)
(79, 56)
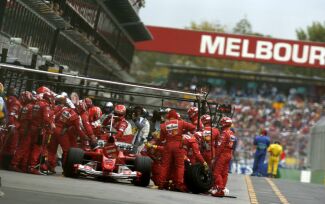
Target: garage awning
(129, 19)
(45, 11)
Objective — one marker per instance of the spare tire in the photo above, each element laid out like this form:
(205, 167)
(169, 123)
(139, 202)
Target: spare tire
(142, 164)
(197, 179)
(75, 156)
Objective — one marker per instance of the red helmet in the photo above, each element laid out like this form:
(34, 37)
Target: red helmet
(81, 107)
(192, 112)
(94, 113)
(43, 89)
(25, 97)
(120, 110)
(172, 114)
(88, 102)
(206, 119)
(226, 122)
(49, 97)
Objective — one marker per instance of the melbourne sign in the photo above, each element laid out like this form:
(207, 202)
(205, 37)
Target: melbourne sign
(235, 47)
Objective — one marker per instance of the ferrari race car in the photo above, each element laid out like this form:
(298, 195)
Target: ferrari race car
(109, 161)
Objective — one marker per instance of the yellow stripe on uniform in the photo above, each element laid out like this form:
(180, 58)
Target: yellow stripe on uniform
(277, 191)
(251, 191)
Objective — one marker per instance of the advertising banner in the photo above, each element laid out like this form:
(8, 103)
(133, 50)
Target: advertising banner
(234, 47)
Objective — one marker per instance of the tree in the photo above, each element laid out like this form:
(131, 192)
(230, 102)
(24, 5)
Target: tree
(301, 34)
(207, 26)
(243, 27)
(315, 32)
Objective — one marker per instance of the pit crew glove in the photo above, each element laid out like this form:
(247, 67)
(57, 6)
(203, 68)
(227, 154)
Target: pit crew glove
(149, 145)
(206, 166)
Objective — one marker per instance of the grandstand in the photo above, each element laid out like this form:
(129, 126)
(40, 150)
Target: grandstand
(86, 38)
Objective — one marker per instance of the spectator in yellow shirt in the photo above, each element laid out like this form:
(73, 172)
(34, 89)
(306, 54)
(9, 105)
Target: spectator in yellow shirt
(275, 151)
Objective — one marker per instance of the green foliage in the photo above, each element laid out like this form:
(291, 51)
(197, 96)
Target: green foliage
(243, 27)
(314, 32)
(207, 26)
(301, 34)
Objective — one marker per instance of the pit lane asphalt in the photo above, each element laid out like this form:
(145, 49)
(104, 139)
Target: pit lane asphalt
(20, 188)
(285, 191)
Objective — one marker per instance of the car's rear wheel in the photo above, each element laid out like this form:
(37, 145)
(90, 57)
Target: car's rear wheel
(142, 165)
(75, 156)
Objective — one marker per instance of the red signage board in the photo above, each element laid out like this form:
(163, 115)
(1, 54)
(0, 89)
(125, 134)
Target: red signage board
(234, 47)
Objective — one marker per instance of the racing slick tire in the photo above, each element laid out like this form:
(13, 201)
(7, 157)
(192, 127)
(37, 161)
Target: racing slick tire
(143, 164)
(75, 156)
(197, 179)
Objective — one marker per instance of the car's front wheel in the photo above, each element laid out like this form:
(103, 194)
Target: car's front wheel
(75, 156)
(142, 164)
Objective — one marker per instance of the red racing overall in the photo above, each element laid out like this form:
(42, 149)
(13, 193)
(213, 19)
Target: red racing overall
(173, 153)
(42, 123)
(21, 157)
(14, 107)
(65, 119)
(192, 149)
(206, 145)
(224, 150)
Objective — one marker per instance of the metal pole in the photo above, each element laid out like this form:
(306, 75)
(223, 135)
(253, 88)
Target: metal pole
(54, 42)
(3, 59)
(199, 114)
(83, 82)
(29, 84)
(2, 11)
(4, 55)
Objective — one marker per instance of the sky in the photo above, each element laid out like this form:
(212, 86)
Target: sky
(278, 18)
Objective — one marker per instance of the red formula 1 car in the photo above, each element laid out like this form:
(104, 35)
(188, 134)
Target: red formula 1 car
(109, 161)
